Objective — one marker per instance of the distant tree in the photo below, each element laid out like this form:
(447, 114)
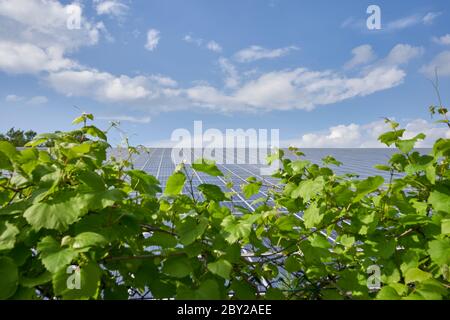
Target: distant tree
(18, 137)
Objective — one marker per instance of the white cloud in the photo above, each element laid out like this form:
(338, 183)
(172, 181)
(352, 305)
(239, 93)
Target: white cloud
(37, 100)
(29, 58)
(44, 24)
(441, 63)
(210, 45)
(231, 75)
(429, 18)
(402, 54)
(287, 89)
(444, 40)
(190, 39)
(361, 55)
(404, 22)
(105, 87)
(114, 8)
(253, 53)
(125, 118)
(102, 86)
(214, 46)
(366, 135)
(301, 88)
(34, 35)
(153, 37)
(13, 98)
(33, 101)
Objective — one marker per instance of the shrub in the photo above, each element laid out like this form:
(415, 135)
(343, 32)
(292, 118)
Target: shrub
(76, 223)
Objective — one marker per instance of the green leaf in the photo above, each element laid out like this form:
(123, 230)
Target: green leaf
(243, 290)
(8, 233)
(292, 264)
(390, 137)
(298, 165)
(407, 145)
(388, 293)
(92, 180)
(416, 275)
(445, 226)
(8, 149)
(208, 167)
(331, 160)
(53, 256)
(346, 240)
(208, 290)
(67, 207)
(143, 182)
(274, 294)
(440, 200)
(89, 239)
(250, 189)
(162, 239)
(367, 186)
(177, 266)
(9, 277)
(212, 192)
(77, 282)
(221, 267)
(78, 120)
(175, 184)
(439, 251)
(382, 167)
(43, 278)
(312, 216)
(95, 132)
(235, 229)
(308, 189)
(190, 229)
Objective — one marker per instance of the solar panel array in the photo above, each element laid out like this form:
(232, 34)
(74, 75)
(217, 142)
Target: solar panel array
(158, 162)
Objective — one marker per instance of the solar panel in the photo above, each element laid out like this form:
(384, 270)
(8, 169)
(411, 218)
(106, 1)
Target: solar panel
(158, 162)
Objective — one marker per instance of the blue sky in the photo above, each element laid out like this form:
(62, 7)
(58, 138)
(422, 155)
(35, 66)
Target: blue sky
(309, 68)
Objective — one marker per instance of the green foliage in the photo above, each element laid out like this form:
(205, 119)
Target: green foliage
(18, 137)
(71, 214)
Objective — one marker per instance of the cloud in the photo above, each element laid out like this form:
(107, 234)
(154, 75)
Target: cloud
(366, 135)
(153, 38)
(38, 100)
(102, 86)
(45, 24)
(404, 22)
(444, 40)
(12, 98)
(214, 46)
(231, 75)
(125, 118)
(361, 55)
(253, 53)
(190, 39)
(36, 51)
(106, 87)
(429, 18)
(35, 37)
(402, 54)
(412, 20)
(28, 58)
(298, 88)
(441, 63)
(301, 88)
(210, 45)
(115, 8)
